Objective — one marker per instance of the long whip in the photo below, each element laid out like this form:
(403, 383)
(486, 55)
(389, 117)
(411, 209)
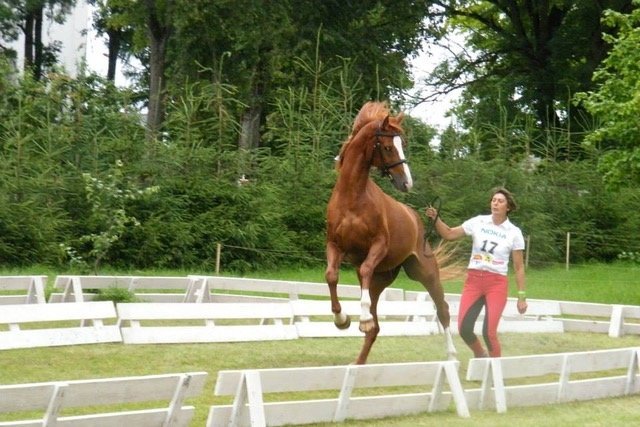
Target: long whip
(431, 225)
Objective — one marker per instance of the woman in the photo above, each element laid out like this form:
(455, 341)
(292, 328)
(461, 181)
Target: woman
(495, 239)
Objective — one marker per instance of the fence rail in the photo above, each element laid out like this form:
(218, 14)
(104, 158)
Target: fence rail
(238, 309)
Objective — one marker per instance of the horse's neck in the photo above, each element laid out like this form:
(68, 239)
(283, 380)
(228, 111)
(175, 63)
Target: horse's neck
(354, 175)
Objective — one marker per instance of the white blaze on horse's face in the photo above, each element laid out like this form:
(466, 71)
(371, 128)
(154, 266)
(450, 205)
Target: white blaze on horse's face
(397, 142)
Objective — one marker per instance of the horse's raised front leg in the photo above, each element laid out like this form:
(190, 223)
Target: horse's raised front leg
(334, 259)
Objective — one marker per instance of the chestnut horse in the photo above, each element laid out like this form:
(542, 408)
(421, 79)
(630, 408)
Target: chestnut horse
(373, 231)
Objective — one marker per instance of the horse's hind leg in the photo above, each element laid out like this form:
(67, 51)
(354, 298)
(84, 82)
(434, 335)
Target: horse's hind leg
(334, 259)
(424, 269)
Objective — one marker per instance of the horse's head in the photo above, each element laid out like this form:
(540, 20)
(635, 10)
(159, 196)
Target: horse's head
(388, 154)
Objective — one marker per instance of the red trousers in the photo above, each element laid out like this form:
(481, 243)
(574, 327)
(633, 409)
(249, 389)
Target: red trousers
(488, 290)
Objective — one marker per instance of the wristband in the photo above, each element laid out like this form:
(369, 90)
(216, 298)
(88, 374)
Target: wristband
(522, 294)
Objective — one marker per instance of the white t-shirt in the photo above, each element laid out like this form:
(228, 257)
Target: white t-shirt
(492, 244)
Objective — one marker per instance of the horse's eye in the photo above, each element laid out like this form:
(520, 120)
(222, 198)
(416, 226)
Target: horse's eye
(388, 148)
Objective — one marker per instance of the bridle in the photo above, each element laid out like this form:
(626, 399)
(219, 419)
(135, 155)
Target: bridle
(384, 170)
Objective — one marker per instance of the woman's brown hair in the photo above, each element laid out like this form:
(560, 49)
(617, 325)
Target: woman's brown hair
(511, 201)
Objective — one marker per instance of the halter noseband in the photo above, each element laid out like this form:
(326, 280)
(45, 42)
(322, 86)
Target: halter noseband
(378, 145)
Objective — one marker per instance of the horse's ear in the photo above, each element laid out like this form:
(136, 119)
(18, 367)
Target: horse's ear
(400, 117)
(385, 122)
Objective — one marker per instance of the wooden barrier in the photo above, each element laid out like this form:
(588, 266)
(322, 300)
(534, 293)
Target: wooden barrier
(189, 289)
(617, 323)
(293, 290)
(615, 320)
(250, 386)
(207, 315)
(55, 335)
(396, 318)
(53, 397)
(32, 287)
(153, 322)
(73, 288)
(496, 393)
(542, 316)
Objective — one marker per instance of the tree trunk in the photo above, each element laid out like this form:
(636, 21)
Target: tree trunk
(250, 131)
(159, 33)
(28, 42)
(38, 60)
(114, 50)
(156, 108)
(33, 48)
(250, 124)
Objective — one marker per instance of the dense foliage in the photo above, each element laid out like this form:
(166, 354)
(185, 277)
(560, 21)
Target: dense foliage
(252, 116)
(615, 101)
(81, 185)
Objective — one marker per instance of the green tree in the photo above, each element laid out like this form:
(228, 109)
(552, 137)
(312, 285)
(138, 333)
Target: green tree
(527, 57)
(146, 28)
(28, 17)
(615, 102)
(109, 217)
(111, 19)
(255, 46)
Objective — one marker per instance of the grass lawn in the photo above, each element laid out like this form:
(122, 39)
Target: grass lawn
(616, 283)
(110, 360)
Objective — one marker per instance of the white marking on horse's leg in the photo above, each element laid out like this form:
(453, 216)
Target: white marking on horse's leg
(365, 305)
(452, 353)
(397, 141)
(366, 318)
(339, 318)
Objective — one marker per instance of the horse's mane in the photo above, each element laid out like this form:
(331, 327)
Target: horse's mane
(370, 111)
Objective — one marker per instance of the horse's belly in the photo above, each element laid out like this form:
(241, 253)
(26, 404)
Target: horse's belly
(357, 257)
(354, 240)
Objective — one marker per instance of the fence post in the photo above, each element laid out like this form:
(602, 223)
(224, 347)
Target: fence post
(218, 250)
(568, 250)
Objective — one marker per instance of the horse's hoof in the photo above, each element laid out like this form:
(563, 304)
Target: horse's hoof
(344, 325)
(366, 326)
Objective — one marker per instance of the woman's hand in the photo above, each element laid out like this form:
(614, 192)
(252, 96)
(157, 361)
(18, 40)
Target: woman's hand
(522, 306)
(431, 212)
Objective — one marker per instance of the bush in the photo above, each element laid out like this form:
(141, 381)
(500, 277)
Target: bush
(116, 295)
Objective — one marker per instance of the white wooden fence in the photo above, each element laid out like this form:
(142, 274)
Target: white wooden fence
(239, 287)
(206, 316)
(279, 310)
(52, 324)
(555, 316)
(544, 379)
(22, 289)
(563, 386)
(439, 380)
(361, 391)
(396, 318)
(145, 288)
(615, 320)
(51, 398)
(262, 309)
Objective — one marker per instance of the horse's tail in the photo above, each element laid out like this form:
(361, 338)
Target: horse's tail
(449, 262)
